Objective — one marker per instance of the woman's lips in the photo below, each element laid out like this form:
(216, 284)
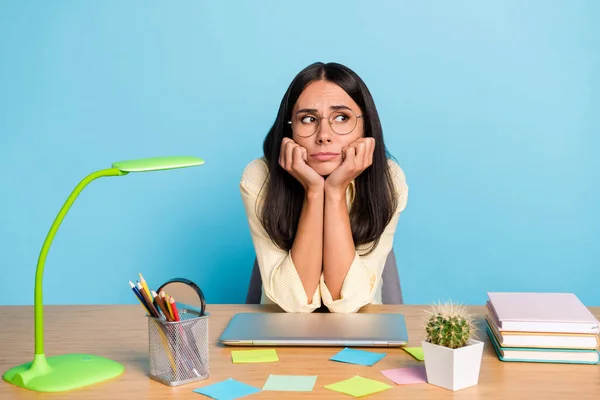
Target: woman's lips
(325, 156)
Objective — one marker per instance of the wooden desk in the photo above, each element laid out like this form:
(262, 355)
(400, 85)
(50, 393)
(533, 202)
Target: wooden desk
(120, 333)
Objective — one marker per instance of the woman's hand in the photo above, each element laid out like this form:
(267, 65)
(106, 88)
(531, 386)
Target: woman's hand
(293, 158)
(357, 157)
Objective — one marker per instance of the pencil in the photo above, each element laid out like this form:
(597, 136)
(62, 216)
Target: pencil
(161, 304)
(163, 337)
(153, 297)
(145, 286)
(139, 296)
(165, 298)
(153, 310)
(174, 309)
(168, 303)
(186, 343)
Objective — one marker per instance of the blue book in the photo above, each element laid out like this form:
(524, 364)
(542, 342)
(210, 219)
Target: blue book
(549, 355)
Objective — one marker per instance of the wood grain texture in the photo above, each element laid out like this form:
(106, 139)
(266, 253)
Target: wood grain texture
(120, 332)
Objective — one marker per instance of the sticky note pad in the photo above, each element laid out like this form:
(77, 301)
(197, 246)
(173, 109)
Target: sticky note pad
(290, 383)
(416, 352)
(358, 386)
(354, 356)
(227, 389)
(407, 376)
(254, 356)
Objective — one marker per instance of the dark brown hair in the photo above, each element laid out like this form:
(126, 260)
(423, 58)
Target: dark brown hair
(374, 202)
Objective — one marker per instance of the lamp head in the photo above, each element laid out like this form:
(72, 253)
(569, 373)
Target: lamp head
(157, 164)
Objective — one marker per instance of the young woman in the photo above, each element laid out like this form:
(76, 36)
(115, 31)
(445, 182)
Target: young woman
(324, 201)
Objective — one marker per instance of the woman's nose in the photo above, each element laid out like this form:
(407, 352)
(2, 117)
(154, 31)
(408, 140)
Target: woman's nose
(324, 132)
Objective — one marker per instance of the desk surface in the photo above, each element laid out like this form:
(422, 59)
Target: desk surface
(120, 333)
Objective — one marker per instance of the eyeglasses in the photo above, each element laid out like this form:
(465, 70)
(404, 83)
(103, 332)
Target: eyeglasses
(342, 122)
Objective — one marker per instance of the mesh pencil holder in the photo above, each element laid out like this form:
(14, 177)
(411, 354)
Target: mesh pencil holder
(178, 351)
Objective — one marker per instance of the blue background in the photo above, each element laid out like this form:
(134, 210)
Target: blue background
(491, 108)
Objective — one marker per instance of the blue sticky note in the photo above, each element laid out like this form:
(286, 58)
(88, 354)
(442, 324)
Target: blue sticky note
(228, 389)
(354, 356)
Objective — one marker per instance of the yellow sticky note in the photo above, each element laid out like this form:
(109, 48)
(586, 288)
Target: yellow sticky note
(358, 386)
(254, 356)
(416, 352)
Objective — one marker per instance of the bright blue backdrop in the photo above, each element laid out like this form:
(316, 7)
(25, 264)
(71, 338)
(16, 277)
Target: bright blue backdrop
(492, 109)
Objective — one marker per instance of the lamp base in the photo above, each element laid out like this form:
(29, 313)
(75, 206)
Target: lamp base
(62, 373)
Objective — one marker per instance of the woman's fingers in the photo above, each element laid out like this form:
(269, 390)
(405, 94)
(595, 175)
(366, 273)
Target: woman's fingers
(282, 152)
(289, 157)
(298, 158)
(361, 151)
(370, 142)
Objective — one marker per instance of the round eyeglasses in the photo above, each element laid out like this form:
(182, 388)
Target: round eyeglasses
(306, 123)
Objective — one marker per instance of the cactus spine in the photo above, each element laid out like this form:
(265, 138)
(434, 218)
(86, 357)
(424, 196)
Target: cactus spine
(449, 325)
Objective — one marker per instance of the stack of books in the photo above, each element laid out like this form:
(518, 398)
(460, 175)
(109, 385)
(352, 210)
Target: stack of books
(542, 327)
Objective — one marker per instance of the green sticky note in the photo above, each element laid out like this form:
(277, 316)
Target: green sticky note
(416, 352)
(358, 386)
(290, 383)
(254, 356)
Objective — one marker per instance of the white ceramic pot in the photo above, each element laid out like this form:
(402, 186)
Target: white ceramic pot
(453, 369)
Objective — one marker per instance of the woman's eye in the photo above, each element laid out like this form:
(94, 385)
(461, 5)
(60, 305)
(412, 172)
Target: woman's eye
(309, 119)
(340, 118)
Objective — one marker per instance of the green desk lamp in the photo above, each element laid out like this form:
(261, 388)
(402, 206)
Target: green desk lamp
(71, 371)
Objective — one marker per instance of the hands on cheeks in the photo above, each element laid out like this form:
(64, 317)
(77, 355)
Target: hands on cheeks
(357, 157)
(293, 158)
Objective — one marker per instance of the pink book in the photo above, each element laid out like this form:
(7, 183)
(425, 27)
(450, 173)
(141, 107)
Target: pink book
(541, 312)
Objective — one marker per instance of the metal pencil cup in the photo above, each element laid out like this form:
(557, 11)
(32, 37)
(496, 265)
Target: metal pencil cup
(179, 350)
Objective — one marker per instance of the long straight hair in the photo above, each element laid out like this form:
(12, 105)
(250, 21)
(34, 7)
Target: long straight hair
(374, 202)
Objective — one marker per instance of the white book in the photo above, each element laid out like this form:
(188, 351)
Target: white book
(543, 340)
(541, 312)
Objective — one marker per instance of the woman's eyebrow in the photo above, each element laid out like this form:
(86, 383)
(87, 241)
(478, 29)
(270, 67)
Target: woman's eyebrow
(340, 107)
(307, 110)
(313, 110)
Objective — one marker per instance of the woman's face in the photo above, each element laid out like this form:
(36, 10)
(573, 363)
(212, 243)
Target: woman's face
(311, 129)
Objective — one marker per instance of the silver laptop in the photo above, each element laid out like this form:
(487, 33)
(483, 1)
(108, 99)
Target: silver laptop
(316, 329)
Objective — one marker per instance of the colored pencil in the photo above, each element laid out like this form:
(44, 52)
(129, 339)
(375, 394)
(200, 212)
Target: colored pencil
(145, 286)
(165, 298)
(162, 306)
(153, 310)
(174, 308)
(168, 303)
(139, 296)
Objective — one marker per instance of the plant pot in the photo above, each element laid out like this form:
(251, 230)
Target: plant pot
(453, 369)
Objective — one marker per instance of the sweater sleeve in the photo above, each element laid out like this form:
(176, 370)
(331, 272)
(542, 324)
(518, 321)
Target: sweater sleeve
(280, 280)
(365, 272)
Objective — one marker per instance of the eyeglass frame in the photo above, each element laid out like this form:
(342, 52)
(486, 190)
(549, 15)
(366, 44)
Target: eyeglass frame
(319, 118)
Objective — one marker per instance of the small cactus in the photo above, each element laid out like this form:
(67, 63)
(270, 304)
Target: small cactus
(449, 325)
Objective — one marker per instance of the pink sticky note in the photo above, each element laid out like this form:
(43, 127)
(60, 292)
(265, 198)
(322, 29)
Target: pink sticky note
(407, 376)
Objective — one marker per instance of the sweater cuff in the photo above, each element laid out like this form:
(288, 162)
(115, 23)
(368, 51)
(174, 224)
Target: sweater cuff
(358, 289)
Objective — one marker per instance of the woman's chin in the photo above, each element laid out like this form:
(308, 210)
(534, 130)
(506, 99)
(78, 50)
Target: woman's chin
(324, 169)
